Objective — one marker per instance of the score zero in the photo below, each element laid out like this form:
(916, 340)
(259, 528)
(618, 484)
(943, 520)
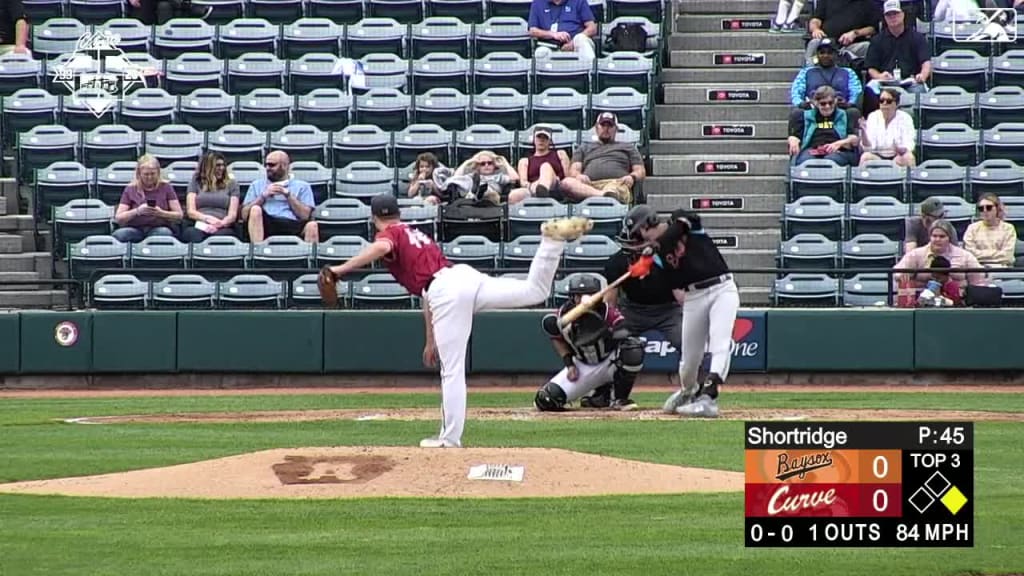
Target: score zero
(929, 460)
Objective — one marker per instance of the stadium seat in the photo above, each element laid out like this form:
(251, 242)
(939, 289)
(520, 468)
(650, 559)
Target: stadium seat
(559, 106)
(266, 109)
(245, 35)
(878, 178)
(183, 291)
(563, 70)
(175, 142)
(206, 109)
(869, 251)
(503, 70)
(318, 177)
(404, 11)
(78, 112)
(111, 181)
(818, 177)
(864, 290)
(219, 253)
(1013, 207)
(944, 38)
(561, 139)
(387, 108)
(422, 217)
(251, 71)
(813, 214)
(179, 174)
(238, 142)
(959, 212)
(282, 252)
(340, 11)
(1004, 141)
(380, 291)
(800, 289)
(276, 11)
(250, 292)
(58, 184)
(440, 34)
(524, 218)
(626, 103)
(325, 108)
(999, 177)
(503, 33)
(606, 214)
(42, 146)
(937, 178)
(375, 36)
(43, 10)
(189, 72)
(489, 227)
(952, 141)
(964, 68)
(626, 70)
(160, 253)
(652, 29)
(945, 104)
(312, 71)
(1008, 69)
(441, 70)
(339, 248)
(305, 292)
(77, 220)
(148, 66)
(26, 109)
(246, 172)
(501, 106)
(590, 251)
(598, 8)
(95, 11)
(518, 252)
(148, 109)
(302, 142)
(383, 71)
(311, 36)
(808, 251)
(1012, 285)
(182, 35)
(18, 71)
(508, 8)
(361, 143)
(469, 11)
(60, 73)
(363, 180)
(1000, 104)
(108, 144)
(342, 217)
(419, 138)
(119, 292)
(94, 253)
(56, 37)
(445, 107)
(477, 251)
(222, 11)
(479, 137)
(653, 10)
(883, 215)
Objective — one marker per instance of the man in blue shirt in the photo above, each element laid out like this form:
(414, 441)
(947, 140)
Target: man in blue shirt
(826, 73)
(567, 25)
(278, 205)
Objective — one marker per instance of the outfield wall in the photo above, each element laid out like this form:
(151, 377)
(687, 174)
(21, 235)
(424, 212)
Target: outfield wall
(390, 342)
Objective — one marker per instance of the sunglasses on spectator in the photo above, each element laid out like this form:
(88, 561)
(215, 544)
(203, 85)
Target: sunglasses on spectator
(886, 100)
(986, 207)
(486, 163)
(826, 102)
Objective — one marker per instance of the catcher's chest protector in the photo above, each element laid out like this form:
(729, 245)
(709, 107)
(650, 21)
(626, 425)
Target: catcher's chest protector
(589, 337)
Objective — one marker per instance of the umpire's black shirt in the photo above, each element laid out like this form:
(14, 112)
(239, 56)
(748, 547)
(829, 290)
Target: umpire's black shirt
(10, 12)
(653, 290)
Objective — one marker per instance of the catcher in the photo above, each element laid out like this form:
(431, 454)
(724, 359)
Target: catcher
(596, 349)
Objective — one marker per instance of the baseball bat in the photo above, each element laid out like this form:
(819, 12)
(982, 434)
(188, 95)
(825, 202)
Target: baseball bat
(584, 306)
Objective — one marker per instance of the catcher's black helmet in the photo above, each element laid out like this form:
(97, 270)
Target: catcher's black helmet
(639, 218)
(584, 284)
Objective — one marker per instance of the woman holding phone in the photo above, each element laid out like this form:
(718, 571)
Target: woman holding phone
(212, 200)
(148, 206)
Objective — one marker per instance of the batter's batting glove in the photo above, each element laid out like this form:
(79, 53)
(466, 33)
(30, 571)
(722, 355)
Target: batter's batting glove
(327, 283)
(642, 267)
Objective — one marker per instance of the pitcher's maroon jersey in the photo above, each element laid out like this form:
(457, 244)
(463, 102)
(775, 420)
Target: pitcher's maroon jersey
(414, 257)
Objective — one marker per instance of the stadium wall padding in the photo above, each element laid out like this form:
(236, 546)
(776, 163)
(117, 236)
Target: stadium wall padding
(390, 342)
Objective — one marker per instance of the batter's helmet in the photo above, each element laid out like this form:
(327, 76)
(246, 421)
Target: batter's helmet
(584, 284)
(640, 217)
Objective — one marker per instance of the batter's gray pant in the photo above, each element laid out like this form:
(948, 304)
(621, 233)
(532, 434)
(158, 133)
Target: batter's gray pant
(708, 317)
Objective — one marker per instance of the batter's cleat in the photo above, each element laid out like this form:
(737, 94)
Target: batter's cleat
(438, 443)
(677, 399)
(703, 407)
(566, 229)
(627, 405)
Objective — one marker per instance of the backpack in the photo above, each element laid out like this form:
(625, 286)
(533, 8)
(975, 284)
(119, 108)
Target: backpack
(464, 216)
(629, 36)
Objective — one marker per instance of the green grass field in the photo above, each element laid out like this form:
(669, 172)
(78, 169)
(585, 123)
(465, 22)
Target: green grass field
(685, 534)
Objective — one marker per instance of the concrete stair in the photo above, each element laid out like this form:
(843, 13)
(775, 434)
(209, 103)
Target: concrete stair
(23, 259)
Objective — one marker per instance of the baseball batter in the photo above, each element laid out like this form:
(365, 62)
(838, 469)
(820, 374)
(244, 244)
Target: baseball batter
(452, 294)
(596, 349)
(710, 306)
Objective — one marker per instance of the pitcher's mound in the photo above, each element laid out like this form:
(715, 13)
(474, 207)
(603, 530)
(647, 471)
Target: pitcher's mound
(355, 472)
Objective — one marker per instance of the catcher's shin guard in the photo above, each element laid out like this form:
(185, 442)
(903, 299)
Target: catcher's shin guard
(628, 365)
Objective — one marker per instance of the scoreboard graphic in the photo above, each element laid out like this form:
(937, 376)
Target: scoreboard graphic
(859, 484)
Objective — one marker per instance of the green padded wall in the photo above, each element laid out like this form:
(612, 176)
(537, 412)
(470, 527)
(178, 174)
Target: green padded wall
(512, 341)
(969, 339)
(134, 341)
(236, 341)
(41, 353)
(840, 340)
(10, 342)
(374, 341)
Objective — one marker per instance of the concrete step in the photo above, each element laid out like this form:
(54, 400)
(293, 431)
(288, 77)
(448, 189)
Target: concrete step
(726, 165)
(22, 299)
(41, 262)
(748, 8)
(767, 129)
(751, 42)
(731, 93)
(12, 222)
(741, 258)
(9, 192)
(747, 238)
(6, 277)
(728, 202)
(788, 58)
(707, 146)
(754, 295)
(725, 23)
(750, 221)
(723, 74)
(3, 205)
(10, 244)
(723, 113)
(672, 187)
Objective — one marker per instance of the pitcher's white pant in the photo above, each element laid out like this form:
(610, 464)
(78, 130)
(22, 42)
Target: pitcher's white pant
(591, 376)
(459, 292)
(708, 316)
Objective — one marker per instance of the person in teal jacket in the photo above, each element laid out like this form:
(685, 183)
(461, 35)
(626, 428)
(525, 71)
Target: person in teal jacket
(824, 131)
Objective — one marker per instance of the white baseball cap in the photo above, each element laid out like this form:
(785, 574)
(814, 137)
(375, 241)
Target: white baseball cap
(892, 6)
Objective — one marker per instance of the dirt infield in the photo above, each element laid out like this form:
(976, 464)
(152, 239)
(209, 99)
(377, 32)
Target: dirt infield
(354, 472)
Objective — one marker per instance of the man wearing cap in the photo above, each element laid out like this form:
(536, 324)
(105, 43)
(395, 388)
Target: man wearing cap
(899, 55)
(826, 73)
(850, 22)
(917, 227)
(567, 25)
(13, 27)
(824, 131)
(605, 167)
(541, 172)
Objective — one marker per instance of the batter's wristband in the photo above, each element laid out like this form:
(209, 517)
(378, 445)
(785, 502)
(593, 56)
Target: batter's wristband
(568, 360)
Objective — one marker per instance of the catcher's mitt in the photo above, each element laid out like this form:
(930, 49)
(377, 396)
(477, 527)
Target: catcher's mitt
(328, 285)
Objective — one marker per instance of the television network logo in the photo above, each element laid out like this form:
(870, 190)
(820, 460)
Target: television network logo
(995, 25)
(98, 74)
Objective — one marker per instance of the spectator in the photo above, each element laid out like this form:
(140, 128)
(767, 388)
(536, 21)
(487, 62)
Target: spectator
(279, 205)
(421, 182)
(211, 201)
(913, 9)
(605, 167)
(889, 132)
(851, 22)
(541, 171)
(826, 73)
(917, 227)
(942, 242)
(567, 25)
(824, 131)
(992, 240)
(786, 17)
(486, 176)
(160, 11)
(945, 291)
(13, 27)
(898, 55)
(148, 206)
